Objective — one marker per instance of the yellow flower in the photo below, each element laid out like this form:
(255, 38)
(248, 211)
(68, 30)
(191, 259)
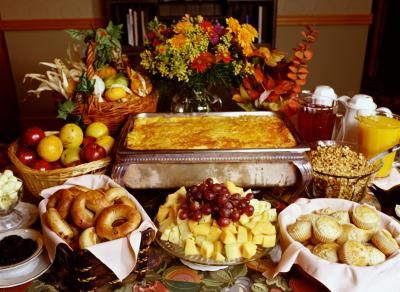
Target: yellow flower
(265, 53)
(246, 35)
(247, 50)
(233, 25)
(178, 41)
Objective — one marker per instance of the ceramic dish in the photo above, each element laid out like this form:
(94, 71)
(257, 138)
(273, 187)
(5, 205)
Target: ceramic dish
(26, 234)
(27, 273)
(29, 213)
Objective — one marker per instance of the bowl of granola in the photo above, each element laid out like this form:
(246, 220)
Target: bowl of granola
(340, 171)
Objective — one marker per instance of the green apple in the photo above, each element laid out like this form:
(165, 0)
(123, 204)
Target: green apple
(119, 78)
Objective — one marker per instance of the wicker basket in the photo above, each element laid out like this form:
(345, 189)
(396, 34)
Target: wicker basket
(86, 272)
(114, 114)
(111, 113)
(35, 181)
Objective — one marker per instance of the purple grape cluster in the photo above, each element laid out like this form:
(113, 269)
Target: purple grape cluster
(214, 198)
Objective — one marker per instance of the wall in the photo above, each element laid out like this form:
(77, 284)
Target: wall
(338, 54)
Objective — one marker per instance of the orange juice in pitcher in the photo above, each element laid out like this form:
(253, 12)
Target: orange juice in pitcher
(377, 133)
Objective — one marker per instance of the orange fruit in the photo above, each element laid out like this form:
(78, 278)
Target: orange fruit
(50, 148)
(71, 135)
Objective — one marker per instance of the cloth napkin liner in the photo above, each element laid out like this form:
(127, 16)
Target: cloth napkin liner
(335, 276)
(120, 254)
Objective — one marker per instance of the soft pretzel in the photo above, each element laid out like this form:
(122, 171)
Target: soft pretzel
(61, 200)
(106, 224)
(58, 224)
(86, 207)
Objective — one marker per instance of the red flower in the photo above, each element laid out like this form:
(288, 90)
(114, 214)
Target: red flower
(224, 56)
(206, 26)
(203, 62)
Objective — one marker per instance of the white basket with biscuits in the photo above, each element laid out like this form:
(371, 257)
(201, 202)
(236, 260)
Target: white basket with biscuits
(93, 213)
(333, 239)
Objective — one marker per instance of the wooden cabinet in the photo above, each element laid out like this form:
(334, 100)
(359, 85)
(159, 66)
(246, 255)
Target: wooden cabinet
(261, 14)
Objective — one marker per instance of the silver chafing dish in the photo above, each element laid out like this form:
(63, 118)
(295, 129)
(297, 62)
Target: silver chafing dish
(257, 168)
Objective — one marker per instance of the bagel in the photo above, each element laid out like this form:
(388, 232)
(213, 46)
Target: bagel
(115, 193)
(58, 224)
(86, 207)
(125, 201)
(88, 238)
(61, 200)
(107, 223)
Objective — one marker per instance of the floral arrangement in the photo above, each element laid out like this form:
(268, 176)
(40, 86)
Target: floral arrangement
(203, 54)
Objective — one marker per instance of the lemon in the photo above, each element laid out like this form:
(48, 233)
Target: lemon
(97, 130)
(71, 135)
(115, 93)
(50, 148)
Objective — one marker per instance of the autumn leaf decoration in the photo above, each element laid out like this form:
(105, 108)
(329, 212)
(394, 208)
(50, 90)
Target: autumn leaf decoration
(275, 83)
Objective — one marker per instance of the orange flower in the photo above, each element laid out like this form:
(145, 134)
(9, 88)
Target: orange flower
(178, 41)
(183, 26)
(233, 25)
(203, 62)
(224, 56)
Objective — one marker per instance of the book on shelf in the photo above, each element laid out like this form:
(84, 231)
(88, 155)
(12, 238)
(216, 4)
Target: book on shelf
(136, 28)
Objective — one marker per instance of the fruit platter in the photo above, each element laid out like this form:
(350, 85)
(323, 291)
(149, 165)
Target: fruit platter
(216, 224)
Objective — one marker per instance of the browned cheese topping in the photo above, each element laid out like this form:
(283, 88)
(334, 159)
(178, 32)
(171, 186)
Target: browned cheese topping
(209, 132)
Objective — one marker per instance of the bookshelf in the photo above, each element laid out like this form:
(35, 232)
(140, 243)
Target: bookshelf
(260, 14)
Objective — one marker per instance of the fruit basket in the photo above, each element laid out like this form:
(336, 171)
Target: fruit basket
(36, 180)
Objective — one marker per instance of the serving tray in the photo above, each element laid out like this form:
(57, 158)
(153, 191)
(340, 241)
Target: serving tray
(256, 167)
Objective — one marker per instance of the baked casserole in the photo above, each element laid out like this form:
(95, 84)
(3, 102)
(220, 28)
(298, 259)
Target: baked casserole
(209, 132)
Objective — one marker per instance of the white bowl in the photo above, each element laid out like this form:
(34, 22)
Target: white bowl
(28, 234)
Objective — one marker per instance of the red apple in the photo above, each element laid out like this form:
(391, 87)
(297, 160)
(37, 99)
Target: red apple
(41, 165)
(26, 155)
(87, 140)
(32, 136)
(56, 164)
(92, 152)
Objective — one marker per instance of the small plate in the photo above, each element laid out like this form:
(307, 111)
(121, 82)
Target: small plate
(29, 214)
(24, 233)
(25, 274)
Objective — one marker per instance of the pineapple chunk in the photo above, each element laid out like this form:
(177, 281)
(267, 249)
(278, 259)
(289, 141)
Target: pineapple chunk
(232, 251)
(206, 219)
(249, 249)
(251, 224)
(174, 235)
(256, 218)
(231, 227)
(166, 224)
(190, 247)
(273, 216)
(192, 225)
(227, 237)
(199, 239)
(184, 231)
(219, 257)
(163, 213)
(258, 239)
(244, 219)
(263, 227)
(242, 234)
(206, 249)
(218, 247)
(269, 240)
(249, 236)
(201, 229)
(232, 188)
(214, 234)
(165, 235)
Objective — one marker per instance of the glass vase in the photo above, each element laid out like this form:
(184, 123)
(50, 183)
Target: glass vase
(187, 99)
